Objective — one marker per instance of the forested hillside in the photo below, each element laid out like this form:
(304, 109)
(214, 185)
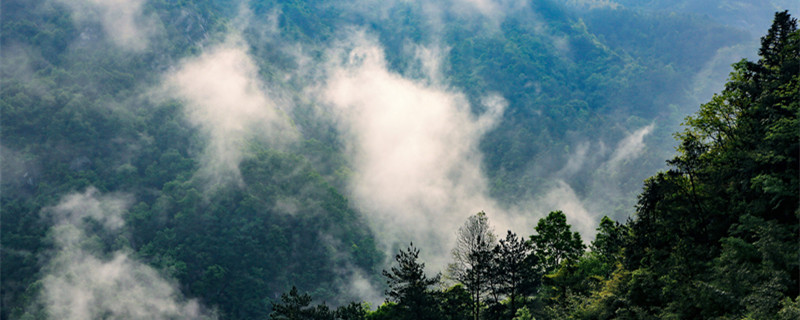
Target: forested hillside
(221, 158)
(713, 237)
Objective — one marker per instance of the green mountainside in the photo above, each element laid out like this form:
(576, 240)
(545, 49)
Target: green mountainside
(89, 112)
(713, 237)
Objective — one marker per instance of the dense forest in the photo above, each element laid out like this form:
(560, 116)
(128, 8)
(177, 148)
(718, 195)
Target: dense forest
(305, 160)
(713, 237)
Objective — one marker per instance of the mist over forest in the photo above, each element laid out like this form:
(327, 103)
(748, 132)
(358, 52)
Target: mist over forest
(446, 159)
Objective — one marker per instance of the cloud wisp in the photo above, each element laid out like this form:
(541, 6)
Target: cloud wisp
(80, 282)
(123, 21)
(584, 210)
(630, 147)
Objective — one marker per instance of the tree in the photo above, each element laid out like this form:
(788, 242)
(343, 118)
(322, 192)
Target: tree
(516, 272)
(472, 257)
(610, 239)
(774, 51)
(455, 303)
(295, 306)
(554, 242)
(523, 314)
(716, 236)
(408, 286)
(351, 311)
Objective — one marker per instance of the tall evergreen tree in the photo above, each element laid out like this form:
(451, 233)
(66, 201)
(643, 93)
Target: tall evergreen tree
(409, 286)
(516, 271)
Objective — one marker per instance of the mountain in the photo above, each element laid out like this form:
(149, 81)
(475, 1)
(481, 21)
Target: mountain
(224, 151)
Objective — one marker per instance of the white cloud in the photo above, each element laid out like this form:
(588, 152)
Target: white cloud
(604, 168)
(106, 209)
(413, 144)
(123, 20)
(631, 147)
(359, 287)
(485, 7)
(495, 10)
(81, 286)
(563, 197)
(80, 283)
(226, 99)
(604, 187)
(592, 4)
(576, 160)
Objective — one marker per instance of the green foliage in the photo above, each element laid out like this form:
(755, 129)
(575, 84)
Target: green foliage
(295, 306)
(554, 243)
(409, 286)
(716, 236)
(455, 303)
(609, 243)
(516, 270)
(387, 311)
(523, 314)
(239, 245)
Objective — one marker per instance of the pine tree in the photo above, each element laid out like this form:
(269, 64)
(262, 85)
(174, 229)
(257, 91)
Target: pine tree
(409, 286)
(517, 273)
